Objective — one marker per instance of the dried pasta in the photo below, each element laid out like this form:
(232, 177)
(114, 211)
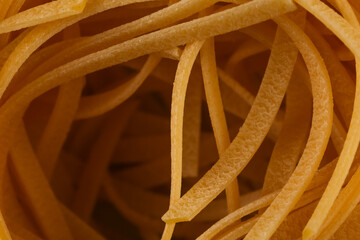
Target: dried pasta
(179, 119)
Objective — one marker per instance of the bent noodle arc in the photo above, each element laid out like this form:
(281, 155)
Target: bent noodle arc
(179, 119)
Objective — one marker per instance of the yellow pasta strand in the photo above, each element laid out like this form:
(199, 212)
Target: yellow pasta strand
(292, 138)
(14, 8)
(126, 51)
(343, 86)
(238, 214)
(192, 128)
(41, 14)
(118, 157)
(20, 79)
(55, 132)
(98, 104)
(43, 203)
(186, 62)
(113, 36)
(353, 137)
(230, 221)
(318, 137)
(236, 157)
(217, 116)
(37, 36)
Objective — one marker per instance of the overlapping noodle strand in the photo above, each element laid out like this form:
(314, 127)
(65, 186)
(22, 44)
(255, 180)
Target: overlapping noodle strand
(232, 227)
(41, 200)
(37, 36)
(98, 104)
(186, 62)
(59, 124)
(318, 138)
(239, 153)
(143, 221)
(313, 192)
(112, 115)
(14, 8)
(347, 34)
(199, 28)
(20, 80)
(343, 85)
(179, 34)
(154, 21)
(292, 138)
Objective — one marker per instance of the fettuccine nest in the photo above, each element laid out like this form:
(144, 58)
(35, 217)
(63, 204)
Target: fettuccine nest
(190, 119)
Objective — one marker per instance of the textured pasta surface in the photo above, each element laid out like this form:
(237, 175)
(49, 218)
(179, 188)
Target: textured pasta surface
(179, 119)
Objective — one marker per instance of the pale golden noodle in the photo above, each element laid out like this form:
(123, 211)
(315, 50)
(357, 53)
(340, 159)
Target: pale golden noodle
(180, 119)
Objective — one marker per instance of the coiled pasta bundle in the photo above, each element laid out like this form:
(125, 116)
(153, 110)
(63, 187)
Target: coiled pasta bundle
(190, 119)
